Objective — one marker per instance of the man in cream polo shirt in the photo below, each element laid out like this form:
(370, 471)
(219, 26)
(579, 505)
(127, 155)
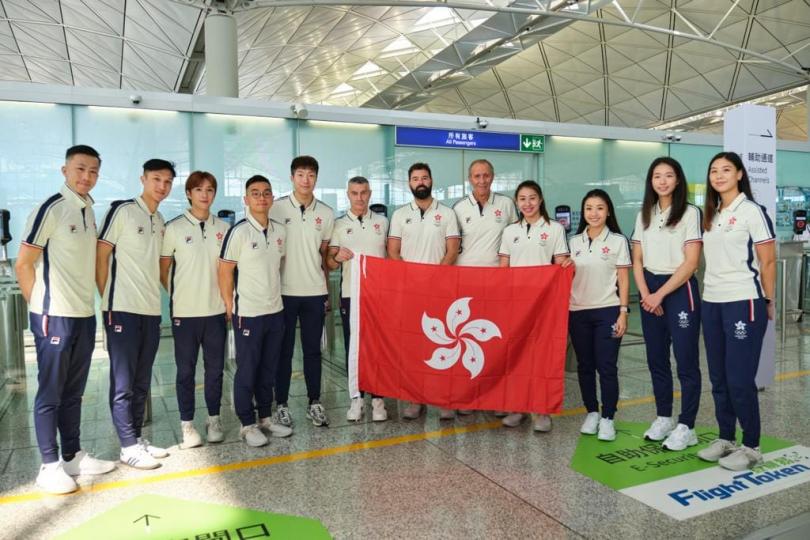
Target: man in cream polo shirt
(55, 269)
(358, 232)
(250, 285)
(128, 277)
(424, 231)
(188, 271)
(304, 276)
(482, 217)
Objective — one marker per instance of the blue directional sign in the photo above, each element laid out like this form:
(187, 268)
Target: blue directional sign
(456, 138)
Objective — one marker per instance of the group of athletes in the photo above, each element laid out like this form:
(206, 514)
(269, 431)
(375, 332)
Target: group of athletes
(268, 274)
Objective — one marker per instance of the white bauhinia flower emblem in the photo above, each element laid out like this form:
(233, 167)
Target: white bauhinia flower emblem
(465, 339)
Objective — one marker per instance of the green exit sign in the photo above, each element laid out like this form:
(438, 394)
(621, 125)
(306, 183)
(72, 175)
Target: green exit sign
(532, 143)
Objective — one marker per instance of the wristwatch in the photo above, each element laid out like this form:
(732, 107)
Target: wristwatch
(624, 309)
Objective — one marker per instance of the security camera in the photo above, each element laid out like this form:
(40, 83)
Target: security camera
(135, 99)
(482, 122)
(299, 110)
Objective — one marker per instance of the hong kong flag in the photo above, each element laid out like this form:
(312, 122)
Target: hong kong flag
(460, 337)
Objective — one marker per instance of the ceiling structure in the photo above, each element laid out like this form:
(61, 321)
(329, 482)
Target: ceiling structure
(634, 63)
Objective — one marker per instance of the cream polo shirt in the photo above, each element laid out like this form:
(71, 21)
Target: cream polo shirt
(362, 235)
(596, 279)
(732, 268)
(481, 228)
(194, 246)
(64, 228)
(258, 253)
(308, 228)
(133, 282)
(424, 236)
(533, 245)
(662, 246)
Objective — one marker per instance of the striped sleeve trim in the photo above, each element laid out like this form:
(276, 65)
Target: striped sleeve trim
(115, 208)
(766, 241)
(39, 220)
(227, 241)
(33, 246)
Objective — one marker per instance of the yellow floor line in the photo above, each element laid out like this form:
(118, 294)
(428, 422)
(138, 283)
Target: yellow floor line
(323, 452)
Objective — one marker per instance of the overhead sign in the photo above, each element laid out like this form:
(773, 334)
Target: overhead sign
(680, 484)
(166, 518)
(532, 143)
(467, 139)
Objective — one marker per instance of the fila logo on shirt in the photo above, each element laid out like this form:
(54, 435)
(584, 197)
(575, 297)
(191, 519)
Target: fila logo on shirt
(739, 330)
(467, 219)
(683, 319)
(349, 231)
(408, 221)
(287, 221)
(73, 229)
(189, 239)
(140, 230)
(254, 245)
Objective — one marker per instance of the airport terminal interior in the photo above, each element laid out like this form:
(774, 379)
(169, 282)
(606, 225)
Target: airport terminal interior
(574, 94)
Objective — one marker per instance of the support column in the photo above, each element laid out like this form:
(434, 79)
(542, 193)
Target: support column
(221, 69)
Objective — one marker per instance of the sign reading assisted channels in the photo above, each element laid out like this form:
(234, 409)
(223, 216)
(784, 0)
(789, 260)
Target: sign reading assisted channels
(469, 140)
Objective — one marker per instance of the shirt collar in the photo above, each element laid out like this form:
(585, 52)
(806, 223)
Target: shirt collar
(81, 202)
(602, 237)
(295, 202)
(658, 210)
(474, 201)
(366, 216)
(142, 204)
(256, 225)
(433, 205)
(735, 203)
(195, 221)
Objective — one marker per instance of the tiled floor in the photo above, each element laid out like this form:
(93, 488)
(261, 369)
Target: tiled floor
(493, 483)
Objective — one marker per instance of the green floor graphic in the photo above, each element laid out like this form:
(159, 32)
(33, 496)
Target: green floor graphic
(156, 517)
(631, 461)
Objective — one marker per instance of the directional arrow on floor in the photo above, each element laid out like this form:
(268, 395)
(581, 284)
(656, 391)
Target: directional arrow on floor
(146, 517)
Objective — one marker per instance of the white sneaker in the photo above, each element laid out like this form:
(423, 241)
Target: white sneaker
(378, 412)
(412, 411)
(213, 430)
(447, 414)
(191, 439)
(660, 428)
(717, 449)
(680, 438)
(742, 459)
(253, 436)
(84, 463)
(137, 456)
(53, 479)
(154, 451)
(512, 420)
(591, 424)
(355, 412)
(607, 432)
(542, 423)
(283, 416)
(317, 414)
(275, 430)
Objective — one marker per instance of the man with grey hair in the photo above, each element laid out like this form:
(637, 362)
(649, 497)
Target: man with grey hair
(358, 232)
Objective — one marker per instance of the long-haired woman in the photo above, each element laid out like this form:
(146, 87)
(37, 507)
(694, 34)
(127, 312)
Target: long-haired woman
(599, 307)
(535, 240)
(666, 252)
(738, 286)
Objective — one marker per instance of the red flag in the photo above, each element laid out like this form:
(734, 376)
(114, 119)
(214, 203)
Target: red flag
(460, 337)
